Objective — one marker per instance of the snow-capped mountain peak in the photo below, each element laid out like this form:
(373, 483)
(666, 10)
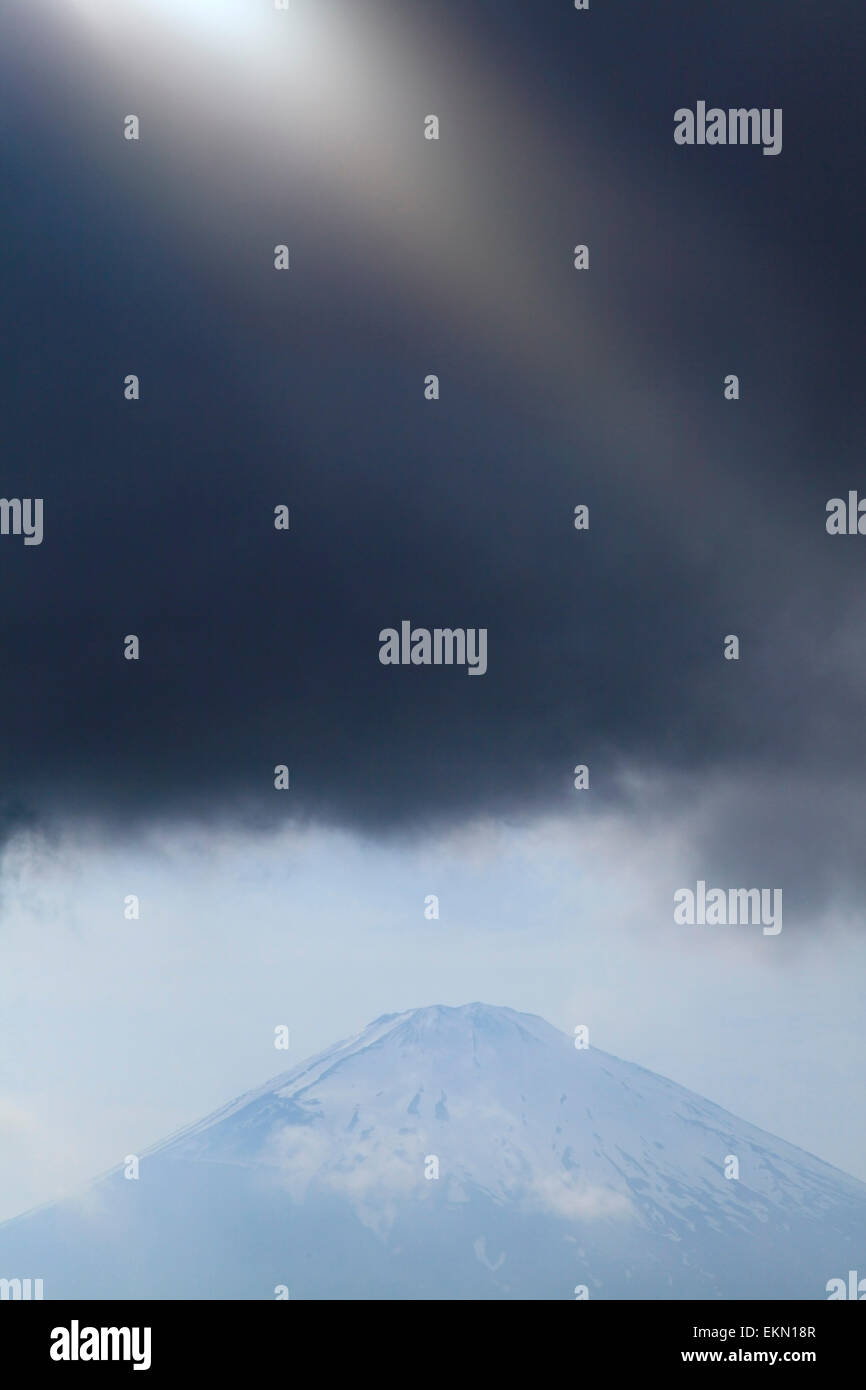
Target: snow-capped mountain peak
(476, 1151)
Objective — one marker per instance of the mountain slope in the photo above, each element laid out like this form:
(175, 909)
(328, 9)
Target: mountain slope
(466, 1152)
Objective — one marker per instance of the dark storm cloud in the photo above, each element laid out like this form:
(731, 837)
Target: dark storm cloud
(260, 647)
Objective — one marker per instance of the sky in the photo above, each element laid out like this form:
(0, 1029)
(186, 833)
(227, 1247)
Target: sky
(260, 647)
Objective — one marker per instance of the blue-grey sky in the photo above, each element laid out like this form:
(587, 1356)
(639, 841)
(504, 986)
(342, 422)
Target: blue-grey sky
(115, 1032)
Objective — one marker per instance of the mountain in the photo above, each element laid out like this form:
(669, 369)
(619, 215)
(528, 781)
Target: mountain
(558, 1167)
